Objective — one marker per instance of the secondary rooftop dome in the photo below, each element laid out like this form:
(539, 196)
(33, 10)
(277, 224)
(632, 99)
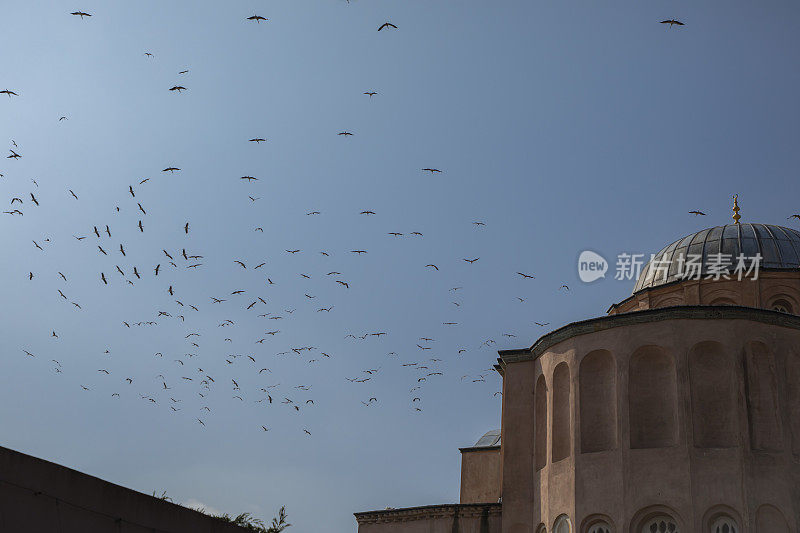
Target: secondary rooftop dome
(779, 248)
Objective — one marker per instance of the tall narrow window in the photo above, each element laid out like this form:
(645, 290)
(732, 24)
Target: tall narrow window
(540, 424)
(652, 397)
(598, 402)
(562, 434)
(713, 381)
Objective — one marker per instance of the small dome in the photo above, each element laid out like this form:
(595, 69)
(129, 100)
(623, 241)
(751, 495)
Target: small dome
(779, 248)
(489, 439)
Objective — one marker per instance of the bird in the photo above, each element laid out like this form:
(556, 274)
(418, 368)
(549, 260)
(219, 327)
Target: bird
(525, 276)
(14, 155)
(431, 170)
(479, 223)
(386, 25)
(249, 178)
(370, 93)
(695, 213)
(257, 18)
(257, 140)
(73, 194)
(183, 72)
(178, 88)
(542, 323)
(62, 118)
(170, 169)
(470, 261)
(672, 22)
(367, 212)
(148, 54)
(432, 265)
(103, 277)
(9, 93)
(81, 14)
(186, 228)
(564, 287)
(345, 133)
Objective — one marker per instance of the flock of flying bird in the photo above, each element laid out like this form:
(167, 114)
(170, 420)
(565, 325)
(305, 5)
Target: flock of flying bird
(191, 373)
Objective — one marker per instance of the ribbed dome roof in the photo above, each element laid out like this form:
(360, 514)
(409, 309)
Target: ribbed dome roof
(779, 248)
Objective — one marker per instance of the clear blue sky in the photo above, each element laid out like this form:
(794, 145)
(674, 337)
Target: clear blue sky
(560, 125)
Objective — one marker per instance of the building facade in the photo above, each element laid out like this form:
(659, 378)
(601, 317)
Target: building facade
(677, 412)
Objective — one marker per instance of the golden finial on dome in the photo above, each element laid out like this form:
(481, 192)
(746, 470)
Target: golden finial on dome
(736, 215)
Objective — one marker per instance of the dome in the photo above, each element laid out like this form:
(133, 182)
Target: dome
(779, 248)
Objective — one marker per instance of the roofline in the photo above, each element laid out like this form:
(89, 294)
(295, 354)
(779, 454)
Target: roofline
(426, 510)
(479, 448)
(681, 312)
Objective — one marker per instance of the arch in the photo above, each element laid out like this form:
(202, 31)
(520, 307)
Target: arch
(652, 398)
(769, 519)
(723, 301)
(562, 524)
(713, 386)
(782, 305)
(656, 519)
(762, 398)
(540, 423)
(597, 383)
(561, 447)
(597, 523)
(718, 516)
(724, 524)
(541, 529)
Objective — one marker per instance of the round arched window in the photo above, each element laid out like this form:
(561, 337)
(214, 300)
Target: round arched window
(724, 524)
(562, 525)
(661, 524)
(782, 305)
(599, 527)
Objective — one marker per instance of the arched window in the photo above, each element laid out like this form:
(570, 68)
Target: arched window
(660, 524)
(782, 305)
(652, 399)
(724, 524)
(561, 413)
(540, 424)
(562, 525)
(599, 527)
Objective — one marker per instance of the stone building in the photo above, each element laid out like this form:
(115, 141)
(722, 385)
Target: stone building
(677, 412)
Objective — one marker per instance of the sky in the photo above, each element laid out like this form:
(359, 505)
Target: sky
(558, 126)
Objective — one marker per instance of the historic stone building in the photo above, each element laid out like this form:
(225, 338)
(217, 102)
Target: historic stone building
(677, 412)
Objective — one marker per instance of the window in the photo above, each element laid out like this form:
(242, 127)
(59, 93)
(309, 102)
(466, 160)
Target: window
(782, 306)
(661, 524)
(562, 525)
(724, 524)
(599, 527)
(598, 402)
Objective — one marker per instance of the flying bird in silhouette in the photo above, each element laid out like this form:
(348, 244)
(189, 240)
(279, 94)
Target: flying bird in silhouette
(386, 25)
(431, 170)
(526, 276)
(257, 140)
(370, 93)
(178, 88)
(432, 265)
(170, 169)
(9, 93)
(672, 22)
(257, 18)
(81, 14)
(695, 213)
(345, 133)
